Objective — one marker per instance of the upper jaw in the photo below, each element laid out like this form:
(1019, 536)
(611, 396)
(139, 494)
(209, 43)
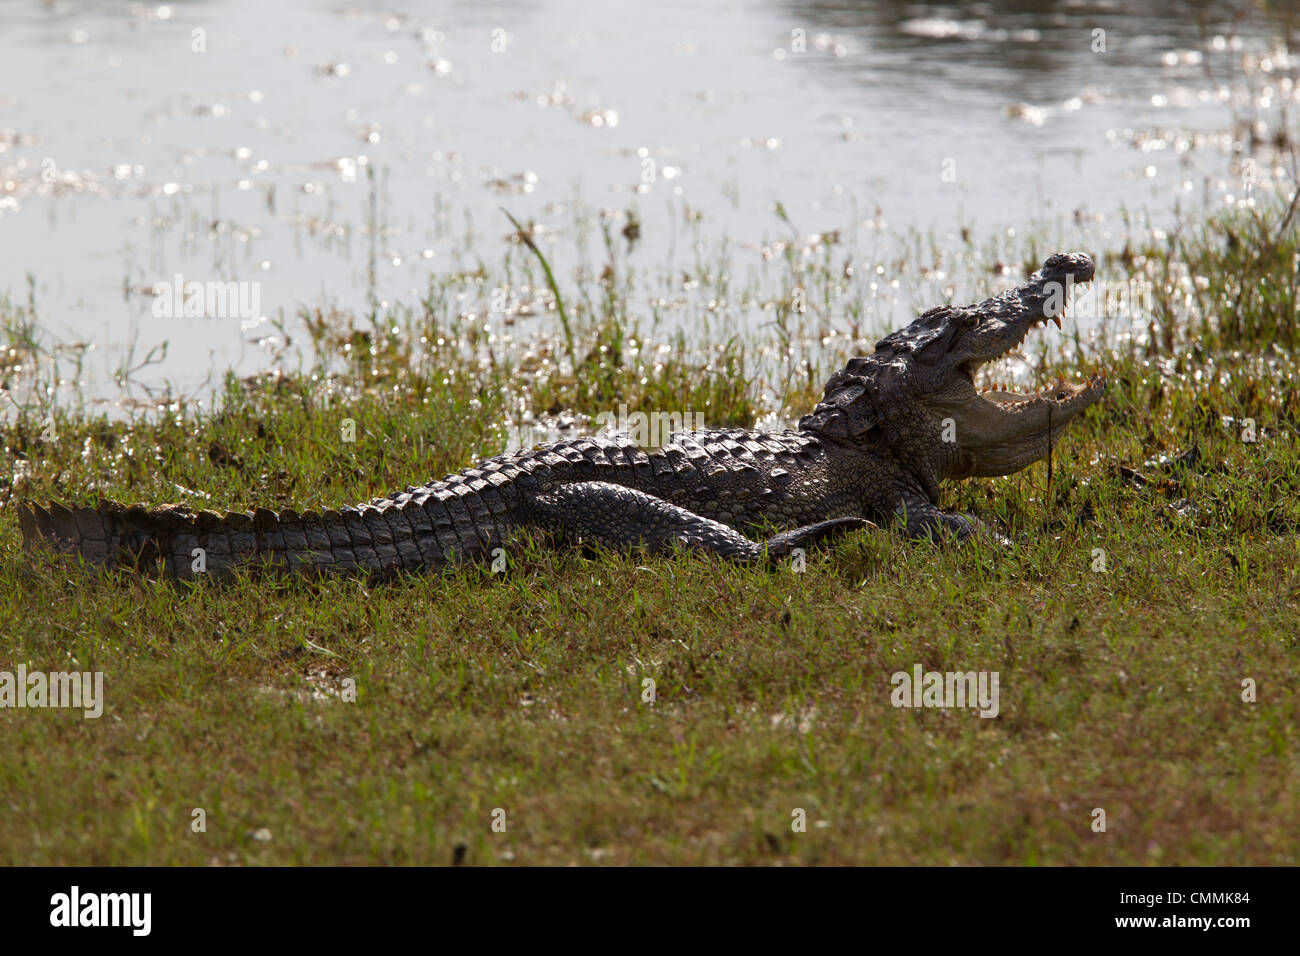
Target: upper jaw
(1065, 267)
(1007, 319)
(1003, 321)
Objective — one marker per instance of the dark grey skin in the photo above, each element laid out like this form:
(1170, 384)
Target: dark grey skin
(890, 428)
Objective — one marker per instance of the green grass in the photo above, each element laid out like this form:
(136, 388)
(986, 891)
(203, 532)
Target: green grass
(1120, 689)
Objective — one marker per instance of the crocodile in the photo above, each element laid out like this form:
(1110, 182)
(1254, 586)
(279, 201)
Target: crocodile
(891, 426)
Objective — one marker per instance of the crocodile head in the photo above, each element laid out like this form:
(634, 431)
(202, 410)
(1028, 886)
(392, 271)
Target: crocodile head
(916, 396)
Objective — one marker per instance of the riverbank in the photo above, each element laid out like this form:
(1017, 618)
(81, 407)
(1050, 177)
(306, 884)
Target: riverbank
(1142, 626)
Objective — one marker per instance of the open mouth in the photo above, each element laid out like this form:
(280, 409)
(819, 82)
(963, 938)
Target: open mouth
(1058, 392)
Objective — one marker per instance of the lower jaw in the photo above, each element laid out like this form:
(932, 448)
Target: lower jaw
(1062, 406)
(1024, 449)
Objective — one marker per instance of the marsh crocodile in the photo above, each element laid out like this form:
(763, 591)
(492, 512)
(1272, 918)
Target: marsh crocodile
(890, 427)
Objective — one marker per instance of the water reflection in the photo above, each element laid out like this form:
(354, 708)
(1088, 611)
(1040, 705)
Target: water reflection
(1035, 51)
(343, 155)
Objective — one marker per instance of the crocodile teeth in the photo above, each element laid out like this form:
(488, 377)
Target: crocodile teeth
(1057, 320)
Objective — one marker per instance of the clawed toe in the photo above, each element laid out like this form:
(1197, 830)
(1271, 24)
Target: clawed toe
(782, 545)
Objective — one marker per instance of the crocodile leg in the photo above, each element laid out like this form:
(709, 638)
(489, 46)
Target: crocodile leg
(620, 518)
(921, 518)
(924, 520)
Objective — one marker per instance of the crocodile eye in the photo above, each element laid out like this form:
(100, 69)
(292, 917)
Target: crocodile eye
(965, 321)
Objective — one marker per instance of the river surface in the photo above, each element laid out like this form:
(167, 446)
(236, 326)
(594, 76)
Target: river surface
(233, 140)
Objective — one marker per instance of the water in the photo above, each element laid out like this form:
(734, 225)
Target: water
(234, 140)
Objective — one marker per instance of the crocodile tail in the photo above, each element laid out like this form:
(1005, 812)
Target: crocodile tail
(111, 534)
(403, 533)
